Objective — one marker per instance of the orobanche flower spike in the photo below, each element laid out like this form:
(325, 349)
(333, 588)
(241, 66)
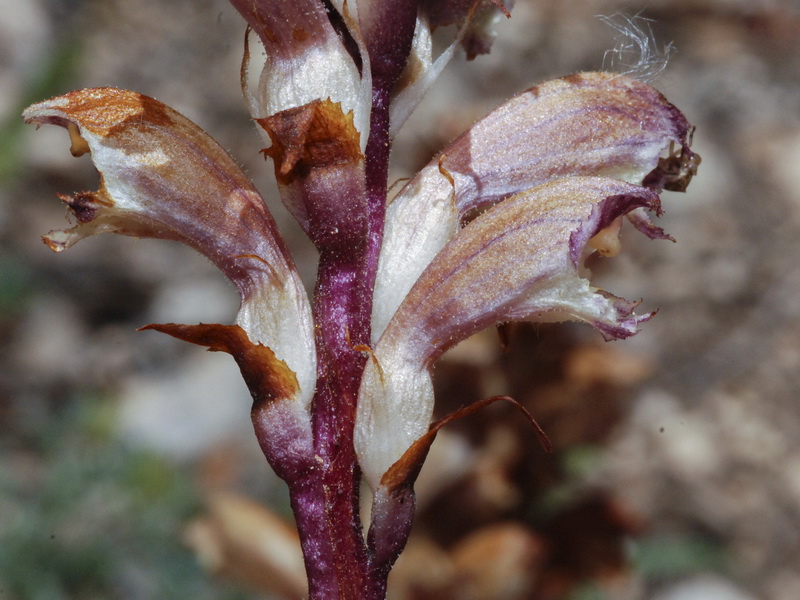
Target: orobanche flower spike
(496, 228)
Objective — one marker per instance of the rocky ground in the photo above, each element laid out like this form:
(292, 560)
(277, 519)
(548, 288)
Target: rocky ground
(676, 474)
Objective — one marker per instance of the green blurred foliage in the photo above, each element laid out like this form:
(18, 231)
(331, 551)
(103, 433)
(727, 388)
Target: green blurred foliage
(660, 558)
(81, 516)
(16, 281)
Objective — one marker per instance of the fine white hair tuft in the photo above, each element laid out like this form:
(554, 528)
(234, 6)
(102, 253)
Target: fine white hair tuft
(636, 53)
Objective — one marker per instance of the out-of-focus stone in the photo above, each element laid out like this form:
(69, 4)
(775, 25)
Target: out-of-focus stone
(704, 587)
(244, 541)
(424, 571)
(200, 403)
(499, 562)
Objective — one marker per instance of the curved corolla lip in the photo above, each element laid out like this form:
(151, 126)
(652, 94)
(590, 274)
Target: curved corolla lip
(162, 176)
(520, 260)
(589, 124)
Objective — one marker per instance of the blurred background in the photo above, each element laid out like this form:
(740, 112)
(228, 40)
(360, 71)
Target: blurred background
(128, 467)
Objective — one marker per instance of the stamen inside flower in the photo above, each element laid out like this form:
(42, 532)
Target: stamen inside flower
(78, 145)
(606, 241)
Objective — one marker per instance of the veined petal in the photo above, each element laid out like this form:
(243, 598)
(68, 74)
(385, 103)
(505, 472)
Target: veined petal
(520, 260)
(306, 60)
(418, 224)
(163, 177)
(588, 124)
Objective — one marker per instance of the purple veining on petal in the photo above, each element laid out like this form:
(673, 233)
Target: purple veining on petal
(641, 221)
(225, 222)
(584, 124)
(604, 213)
(627, 323)
(494, 269)
(162, 177)
(597, 124)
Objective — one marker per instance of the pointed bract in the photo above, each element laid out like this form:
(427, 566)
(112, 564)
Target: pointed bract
(283, 425)
(475, 20)
(420, 73)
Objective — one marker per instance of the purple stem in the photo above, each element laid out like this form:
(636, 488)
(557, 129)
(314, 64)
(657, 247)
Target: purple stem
(377, 160)
(326, 500)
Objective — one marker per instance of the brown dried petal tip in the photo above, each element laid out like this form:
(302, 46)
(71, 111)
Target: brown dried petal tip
(320, 171)
(161, 176)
